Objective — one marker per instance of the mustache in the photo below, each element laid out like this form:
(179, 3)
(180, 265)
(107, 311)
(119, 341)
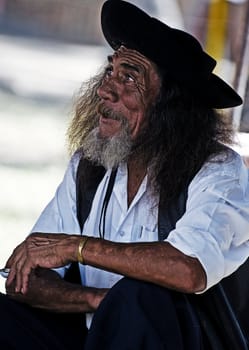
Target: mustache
(109, 113)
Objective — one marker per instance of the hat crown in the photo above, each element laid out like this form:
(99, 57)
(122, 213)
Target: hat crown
(181, 51)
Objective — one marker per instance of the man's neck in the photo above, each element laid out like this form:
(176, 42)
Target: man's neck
(136, 173)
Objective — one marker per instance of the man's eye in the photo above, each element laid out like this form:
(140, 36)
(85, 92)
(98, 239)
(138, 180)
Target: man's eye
(108, 71)
(129, 77)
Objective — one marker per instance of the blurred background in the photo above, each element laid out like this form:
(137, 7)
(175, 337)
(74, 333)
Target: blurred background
(47, 48)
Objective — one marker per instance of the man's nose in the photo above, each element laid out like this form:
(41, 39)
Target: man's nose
(108, 90)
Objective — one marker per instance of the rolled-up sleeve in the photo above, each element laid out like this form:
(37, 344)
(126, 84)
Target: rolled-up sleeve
(215, 226)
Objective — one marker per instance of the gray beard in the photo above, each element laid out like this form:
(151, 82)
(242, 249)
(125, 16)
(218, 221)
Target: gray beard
(109, 151)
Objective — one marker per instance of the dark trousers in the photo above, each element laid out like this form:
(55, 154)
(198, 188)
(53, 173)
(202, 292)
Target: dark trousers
(24, 327)
(134, 315)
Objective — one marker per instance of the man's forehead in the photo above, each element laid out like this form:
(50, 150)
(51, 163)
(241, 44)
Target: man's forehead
(133, 58)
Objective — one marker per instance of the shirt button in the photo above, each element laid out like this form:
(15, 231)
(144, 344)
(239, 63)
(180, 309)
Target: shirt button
(122, 233)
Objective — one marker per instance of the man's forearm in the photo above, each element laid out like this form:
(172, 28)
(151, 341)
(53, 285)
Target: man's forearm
(47, 290)
(156, 262)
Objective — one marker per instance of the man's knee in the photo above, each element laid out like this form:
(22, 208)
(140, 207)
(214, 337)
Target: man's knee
(153, 311)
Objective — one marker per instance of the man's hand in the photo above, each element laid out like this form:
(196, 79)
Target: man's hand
(40, 250)
(43, 280)
(47, 290)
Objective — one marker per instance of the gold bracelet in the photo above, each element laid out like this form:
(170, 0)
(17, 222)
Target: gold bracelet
(80, 249)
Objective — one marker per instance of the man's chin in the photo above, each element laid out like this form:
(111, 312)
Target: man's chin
(107, 150)
(103, 136)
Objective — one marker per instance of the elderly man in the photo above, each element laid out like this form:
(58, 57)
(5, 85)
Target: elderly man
(153, 205)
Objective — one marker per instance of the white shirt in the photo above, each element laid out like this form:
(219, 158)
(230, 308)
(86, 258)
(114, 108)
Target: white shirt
(214, 228)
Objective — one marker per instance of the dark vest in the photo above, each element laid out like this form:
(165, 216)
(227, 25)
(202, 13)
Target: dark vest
(218, 311)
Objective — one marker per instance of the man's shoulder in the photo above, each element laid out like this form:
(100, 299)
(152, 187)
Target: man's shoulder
(228, 164)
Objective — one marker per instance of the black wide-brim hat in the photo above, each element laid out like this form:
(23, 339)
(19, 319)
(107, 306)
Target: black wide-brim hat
(177, 54)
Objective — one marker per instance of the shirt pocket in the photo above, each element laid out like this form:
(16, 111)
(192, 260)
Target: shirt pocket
(146, 234)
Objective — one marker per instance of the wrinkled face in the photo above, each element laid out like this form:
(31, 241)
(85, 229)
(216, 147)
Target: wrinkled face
(128, 90)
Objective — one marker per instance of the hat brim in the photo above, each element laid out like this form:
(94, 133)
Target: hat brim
(220, 94)
(170, 49)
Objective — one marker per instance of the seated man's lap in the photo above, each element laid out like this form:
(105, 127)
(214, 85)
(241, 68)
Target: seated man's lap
(139, 315)
(134, 315)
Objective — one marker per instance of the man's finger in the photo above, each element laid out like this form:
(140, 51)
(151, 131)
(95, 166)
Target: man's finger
(11, 277)
(25, 273)
(15, 256)
(19, 267)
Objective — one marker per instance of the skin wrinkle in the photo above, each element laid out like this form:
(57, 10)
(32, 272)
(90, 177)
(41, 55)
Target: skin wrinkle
(144, 66)
(147, 72)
